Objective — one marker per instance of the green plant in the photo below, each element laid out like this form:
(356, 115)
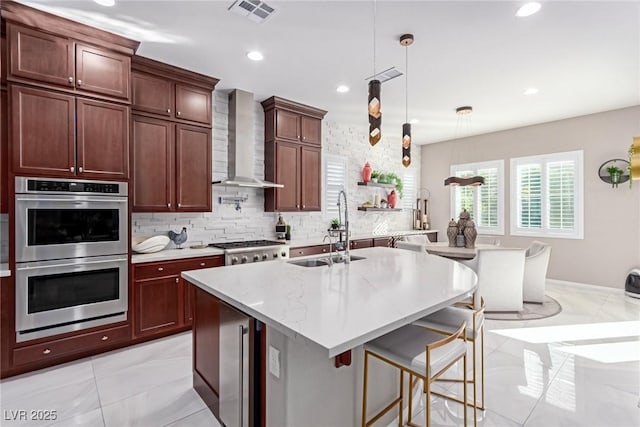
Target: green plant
(375, 174)
(288, 229)
(631, 153)
(399, 186)
(614, 173)
(335, 221)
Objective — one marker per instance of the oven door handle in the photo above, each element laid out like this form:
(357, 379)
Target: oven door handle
(69, 264)
(72, 200)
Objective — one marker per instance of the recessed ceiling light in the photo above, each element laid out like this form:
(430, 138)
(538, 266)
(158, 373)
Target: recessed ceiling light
(414, 121)
(105, 2)
(528, 9)
(531, 91)
(254, 55)
(342, 89)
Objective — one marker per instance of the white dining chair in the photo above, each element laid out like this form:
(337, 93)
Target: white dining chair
(536, 263)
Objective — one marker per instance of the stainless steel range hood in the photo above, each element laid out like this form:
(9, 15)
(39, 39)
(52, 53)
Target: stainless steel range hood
(241, 161)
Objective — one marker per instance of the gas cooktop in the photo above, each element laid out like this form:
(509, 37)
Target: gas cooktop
(245, 244)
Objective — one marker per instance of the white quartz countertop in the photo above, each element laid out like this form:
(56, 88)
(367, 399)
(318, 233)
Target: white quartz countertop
(342, 306)
(4, 270)
(171, 254)
(295, 243)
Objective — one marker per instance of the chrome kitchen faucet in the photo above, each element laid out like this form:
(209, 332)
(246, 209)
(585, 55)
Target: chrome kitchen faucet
(347, 257)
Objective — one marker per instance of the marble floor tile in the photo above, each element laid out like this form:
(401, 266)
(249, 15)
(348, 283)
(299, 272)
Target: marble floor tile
(158, 406)
(88, 419)
(142, 377)
(203, 418)
(449, 413)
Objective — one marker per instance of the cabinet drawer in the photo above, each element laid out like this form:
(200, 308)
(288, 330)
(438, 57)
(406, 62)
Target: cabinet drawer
(383, 242)
(69, 345)
(308, 250)
(363, 243)
(204, 262)
(171, 268)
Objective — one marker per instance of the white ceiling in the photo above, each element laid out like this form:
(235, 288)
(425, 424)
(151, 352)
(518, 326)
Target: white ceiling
(583, 56)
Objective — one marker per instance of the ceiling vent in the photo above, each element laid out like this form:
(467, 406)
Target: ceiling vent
(256, 10)
(386, 75)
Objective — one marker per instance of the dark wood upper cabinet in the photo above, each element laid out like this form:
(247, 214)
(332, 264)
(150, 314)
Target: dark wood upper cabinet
(38, 57)
(173, 93)
(293, 137)
(102, 71)
(42, 132)
(152, 94)
(193, 168)
(152, 155)
(310, 178)
(60, 135)
(193, 104)
(172, 137)
(102, 139)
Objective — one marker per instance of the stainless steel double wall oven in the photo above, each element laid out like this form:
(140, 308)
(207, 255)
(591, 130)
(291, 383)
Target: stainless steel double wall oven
(71, 255)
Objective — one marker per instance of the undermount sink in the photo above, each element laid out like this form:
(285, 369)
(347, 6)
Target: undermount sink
(322, 261)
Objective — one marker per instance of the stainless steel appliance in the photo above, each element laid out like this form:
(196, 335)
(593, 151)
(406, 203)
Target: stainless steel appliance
(237, 364)
(249, 251)
(58, 296)
(71, 255)
(69, 218)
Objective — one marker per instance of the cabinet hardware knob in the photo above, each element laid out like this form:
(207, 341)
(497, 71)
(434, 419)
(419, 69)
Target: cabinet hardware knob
(301, 252)
(302, 205)
(160, 269)
(177, 280)
(168, 205)
(324, 250)
(202, 264)
(169, 110)
(70, 79)
(178, 113)
(104, 338)
(179, 205)
(46, 351)
(298, 206)
(79, 82)
(80, 169)
(72, 169)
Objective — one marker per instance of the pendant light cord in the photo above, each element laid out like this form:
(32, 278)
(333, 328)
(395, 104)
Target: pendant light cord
(406, 83)
(374, 40)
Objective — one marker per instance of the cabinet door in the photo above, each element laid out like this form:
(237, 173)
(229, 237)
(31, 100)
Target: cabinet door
(193, 103)
(193, 168)
(40, 56)
(206, 348)
(311, 164)
(102, 139)
(152, 94)
(288, 174)
(188, 303)
(287, 125)
(152, 164)
(156, 305)
(42, 132)
(4, 154)
(311, 129)
(102, 71)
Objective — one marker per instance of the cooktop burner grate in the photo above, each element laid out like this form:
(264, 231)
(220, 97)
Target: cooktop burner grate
(245, 244)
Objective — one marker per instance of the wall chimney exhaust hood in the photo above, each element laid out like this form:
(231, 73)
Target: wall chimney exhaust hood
(241, 150)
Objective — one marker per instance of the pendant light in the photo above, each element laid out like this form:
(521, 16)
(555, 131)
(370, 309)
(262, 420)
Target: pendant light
(406, 40)
(456, 180)
(375, 112)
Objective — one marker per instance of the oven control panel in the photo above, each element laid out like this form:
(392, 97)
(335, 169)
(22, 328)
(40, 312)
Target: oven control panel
(69, 186)
(257, 255)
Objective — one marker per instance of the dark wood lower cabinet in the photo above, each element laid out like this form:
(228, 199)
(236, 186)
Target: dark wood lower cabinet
(157, 303)
(206, 348)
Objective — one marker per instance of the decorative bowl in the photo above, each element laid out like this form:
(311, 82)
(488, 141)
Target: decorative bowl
(148, 245)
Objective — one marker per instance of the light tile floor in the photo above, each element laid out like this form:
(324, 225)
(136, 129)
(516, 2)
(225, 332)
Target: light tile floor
(579, 368)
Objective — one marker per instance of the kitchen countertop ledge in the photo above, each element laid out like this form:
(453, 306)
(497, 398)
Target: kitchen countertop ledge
(172, 254)
(4, 270)
(296, 243)
(343, 306)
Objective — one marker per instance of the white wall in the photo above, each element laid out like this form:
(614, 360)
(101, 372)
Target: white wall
(611, 244)
(226, 224)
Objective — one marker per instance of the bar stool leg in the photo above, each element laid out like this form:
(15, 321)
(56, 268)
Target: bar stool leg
(464, 391)
(400, 403)
(364, 389)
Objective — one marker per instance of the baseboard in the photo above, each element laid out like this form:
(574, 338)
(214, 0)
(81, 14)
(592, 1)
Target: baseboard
(591, 286)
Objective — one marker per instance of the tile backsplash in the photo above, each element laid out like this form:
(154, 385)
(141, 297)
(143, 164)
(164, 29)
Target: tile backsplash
(226, 223)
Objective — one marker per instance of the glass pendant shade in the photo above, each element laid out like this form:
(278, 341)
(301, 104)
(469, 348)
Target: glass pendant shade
(375, 114)
(406, 144)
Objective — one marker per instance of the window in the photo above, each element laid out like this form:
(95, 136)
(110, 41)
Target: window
(408, 191)
(485, 203)
(547, 196)
(335, 174)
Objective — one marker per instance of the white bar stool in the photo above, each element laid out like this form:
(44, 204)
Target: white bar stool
(420, 353)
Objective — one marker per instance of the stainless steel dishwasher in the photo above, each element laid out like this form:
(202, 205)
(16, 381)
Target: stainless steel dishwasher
(238, 404)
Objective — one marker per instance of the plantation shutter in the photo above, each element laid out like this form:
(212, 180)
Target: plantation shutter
(529, 181)
(408, 191)
(561, 188)
(464, 195)
(488, 203)
(335, 177)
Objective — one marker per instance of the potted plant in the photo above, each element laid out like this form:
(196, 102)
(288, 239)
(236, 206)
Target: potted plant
(398, 182)
(375, 175)
(629, 168)
(335, 223)
(615, 173)
(287, 236)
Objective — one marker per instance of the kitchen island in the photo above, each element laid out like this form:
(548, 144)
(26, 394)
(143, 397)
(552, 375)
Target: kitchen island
(313, 314)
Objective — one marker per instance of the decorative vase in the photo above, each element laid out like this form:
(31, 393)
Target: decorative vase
(460, 241)
(470, 234)
(366, 172)
(452, 232)
(391, 199)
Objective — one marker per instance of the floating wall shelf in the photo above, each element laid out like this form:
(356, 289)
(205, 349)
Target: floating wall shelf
(375, 184)
(362, 208)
